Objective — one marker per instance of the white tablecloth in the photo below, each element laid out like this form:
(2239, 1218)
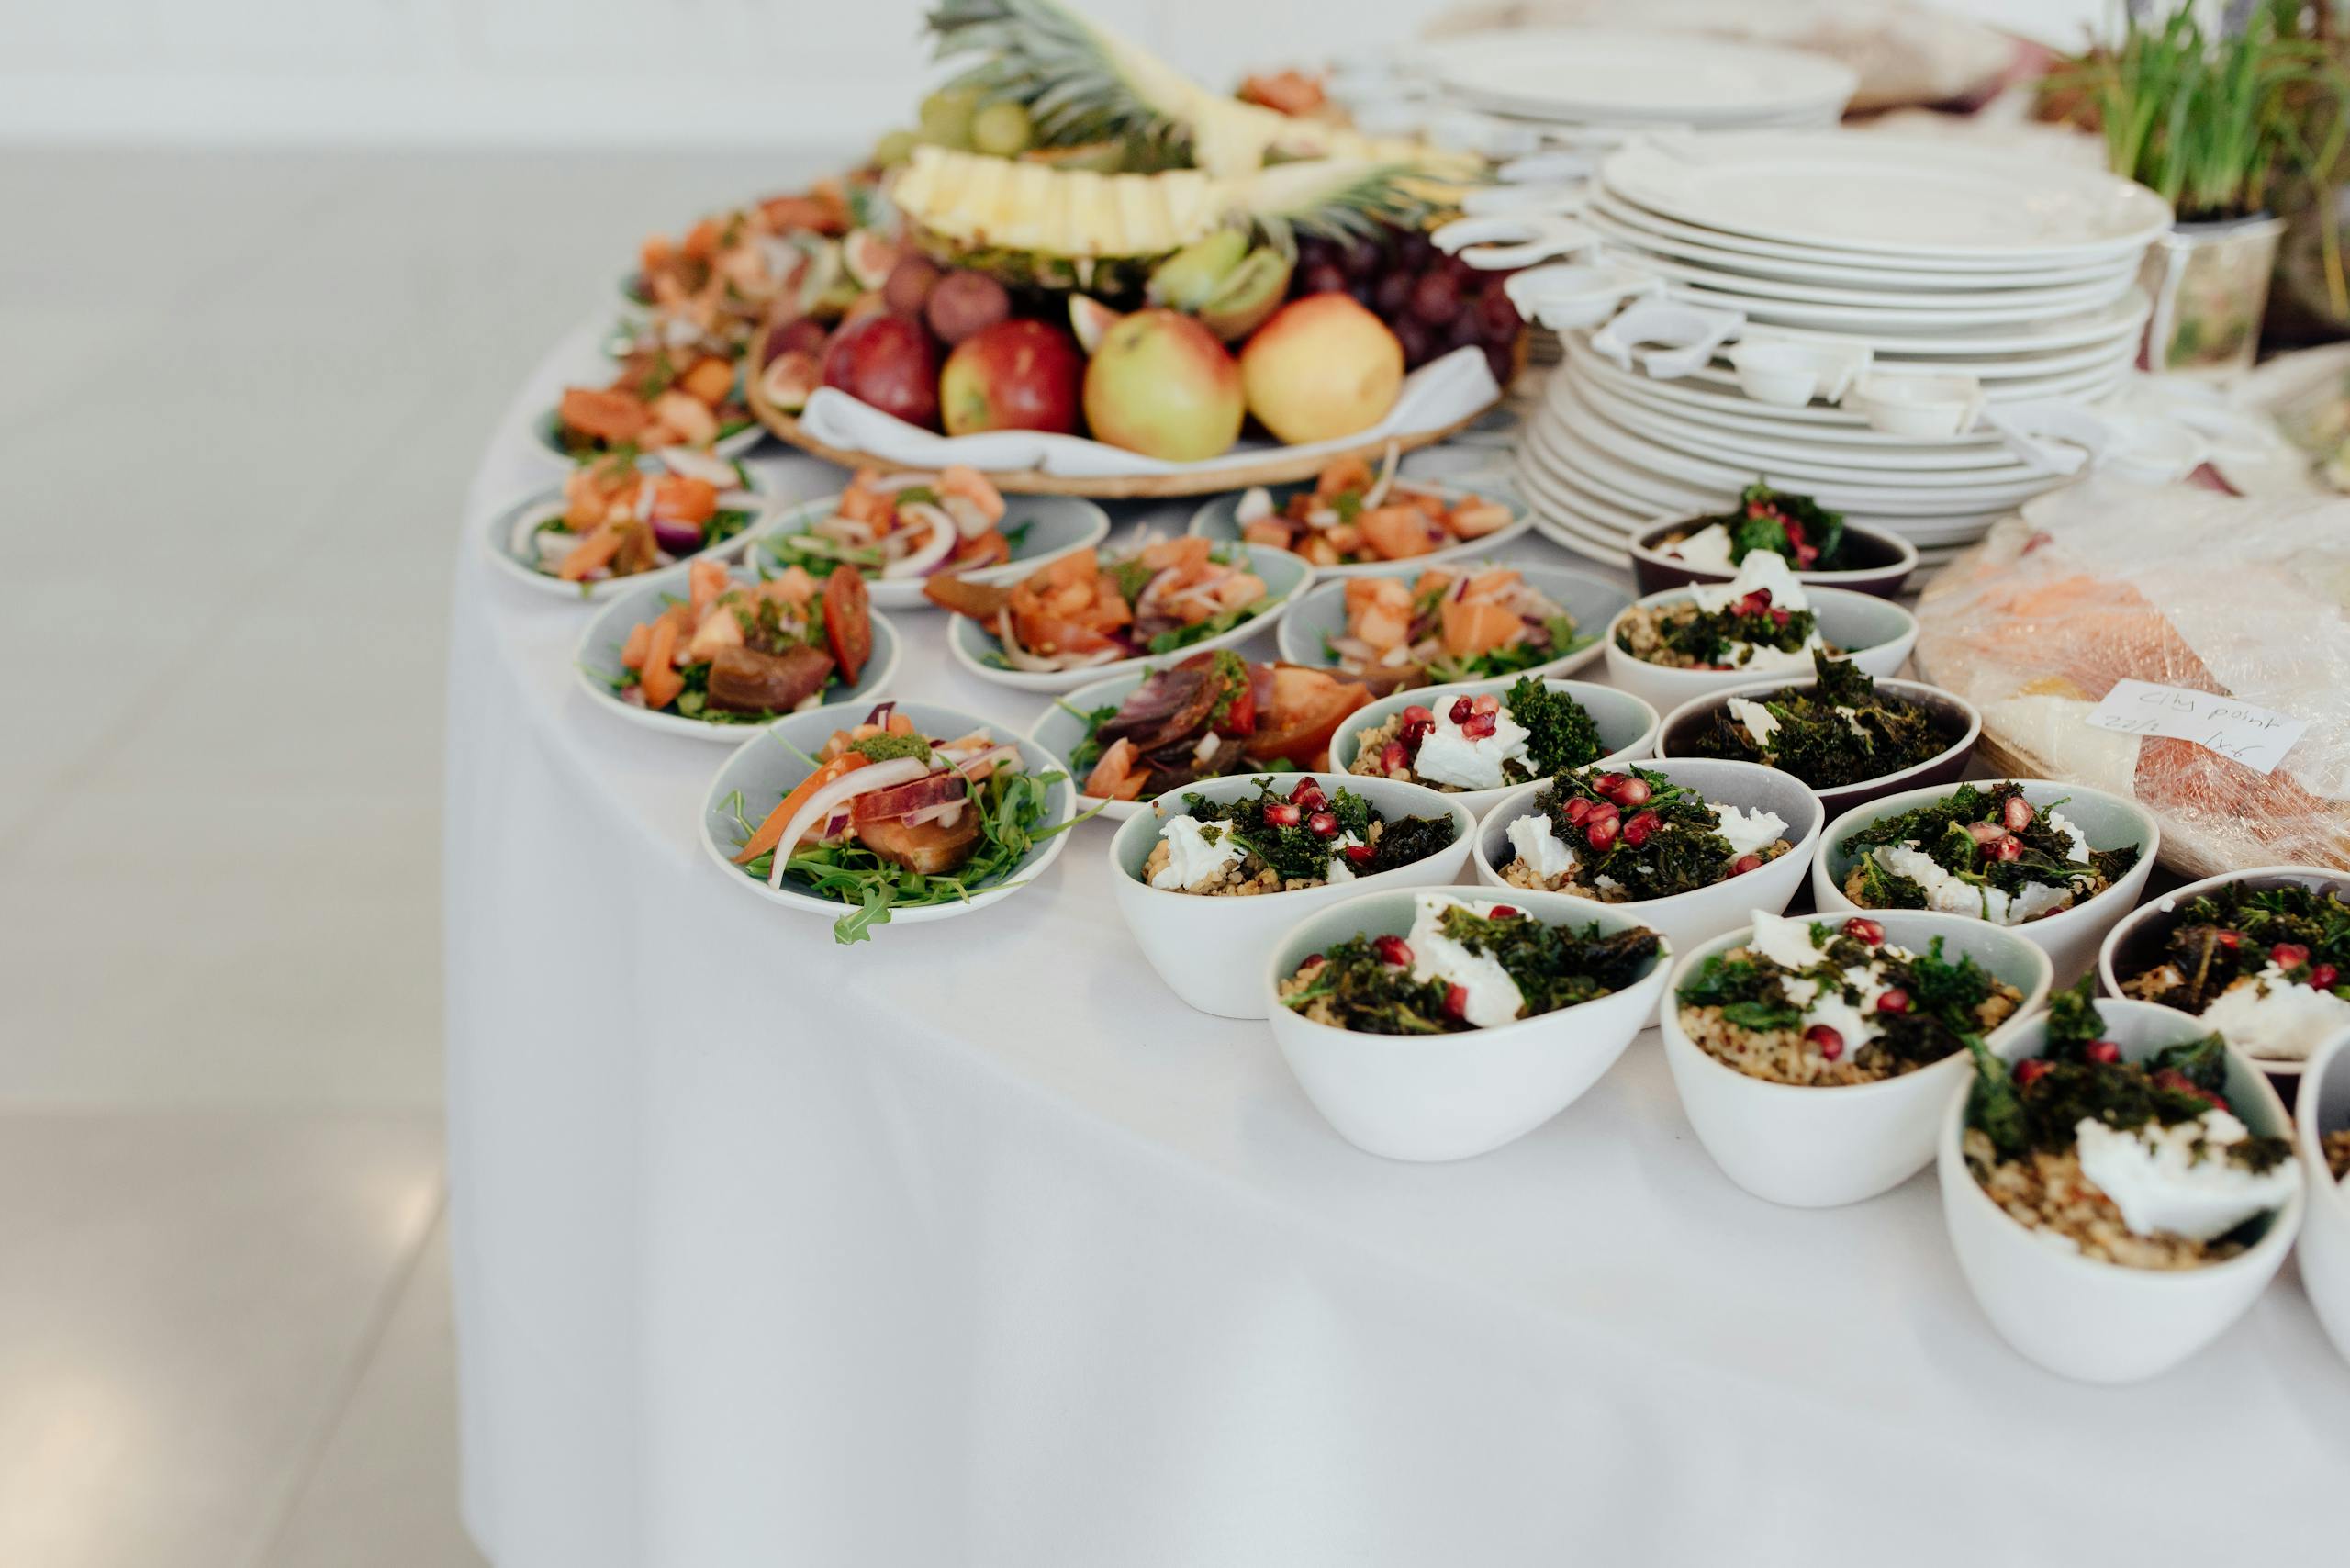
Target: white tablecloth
(973, 1245)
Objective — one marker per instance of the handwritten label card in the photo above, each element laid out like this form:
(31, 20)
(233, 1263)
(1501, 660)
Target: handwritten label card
(2237, 731)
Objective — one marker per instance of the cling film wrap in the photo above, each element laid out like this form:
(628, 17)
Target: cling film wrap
(2179, 586)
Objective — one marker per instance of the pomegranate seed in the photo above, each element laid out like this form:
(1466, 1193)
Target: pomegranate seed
(1634, 793)
(2288, 954)
(1755, 603)
(2171, 1077)
(1600, 833)
(1414, 733)
(1604, 809)
(2031, 1071)
(1607, 784)
(1861, 929)
(1416, 714)
(1894, 1000)
(1806, 555)
(2102, 1051)
(1480, 725)
(2323, 976)
(1489, 703)
(1456, 1001)
(2017, 813)
(1392, 950)
(1745, 862)
(1756, 509)
(2004, 848)
(1501, 911)
(1831, 1043)
(1282, 814)
(1461, 709)
(1358, 854)
(1781, 616)
(1637, 830)
(1392, 758)
(1987, 833)
(2231, 940)
(1578, 808)
(1321, 824)
(1308, 794)
(1313, 961)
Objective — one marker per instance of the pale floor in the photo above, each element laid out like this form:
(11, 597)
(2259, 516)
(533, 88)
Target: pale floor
(242, 396)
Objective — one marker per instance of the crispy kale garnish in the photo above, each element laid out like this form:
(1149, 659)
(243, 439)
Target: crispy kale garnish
(1559, 734)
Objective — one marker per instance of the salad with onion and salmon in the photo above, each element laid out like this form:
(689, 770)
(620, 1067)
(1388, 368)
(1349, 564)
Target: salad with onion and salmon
(890, 818)
(623, 515)
(661, 397)
(1211, 716)
(1448, 625)
(909, 525)
(1079, 610)
(731, 654)
(1352, 515)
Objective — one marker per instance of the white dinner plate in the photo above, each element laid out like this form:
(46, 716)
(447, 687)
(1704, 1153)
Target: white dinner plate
(528, 514)
(1871, 192)
(1606, 74)
(1953, 328)
(1911, 310)
(1758, 437)
(1763, 258)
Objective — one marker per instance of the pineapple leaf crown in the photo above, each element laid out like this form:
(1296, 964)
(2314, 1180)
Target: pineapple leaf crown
(1066, 72)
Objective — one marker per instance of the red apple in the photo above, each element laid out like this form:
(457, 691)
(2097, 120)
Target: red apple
(1015, 375)
(1161, 385)
(887, 361)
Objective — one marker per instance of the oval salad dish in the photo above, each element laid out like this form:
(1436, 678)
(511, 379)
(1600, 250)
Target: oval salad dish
(1356, 521)
(916, 812)
(614, 524)
(1439, 624)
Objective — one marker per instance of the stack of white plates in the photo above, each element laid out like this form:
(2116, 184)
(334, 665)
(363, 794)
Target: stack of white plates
(1605, 77)
(2014, 271)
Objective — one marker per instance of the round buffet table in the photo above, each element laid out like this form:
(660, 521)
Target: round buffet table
(972, 1244)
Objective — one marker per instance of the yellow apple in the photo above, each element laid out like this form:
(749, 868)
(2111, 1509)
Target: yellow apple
(1323, 367)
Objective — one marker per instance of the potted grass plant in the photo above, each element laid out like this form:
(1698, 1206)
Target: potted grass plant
(2218, 115)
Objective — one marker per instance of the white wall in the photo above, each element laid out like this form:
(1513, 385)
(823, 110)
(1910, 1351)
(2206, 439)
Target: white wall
(573, 73)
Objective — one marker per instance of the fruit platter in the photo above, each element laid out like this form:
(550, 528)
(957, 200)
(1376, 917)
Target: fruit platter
(1082, 273)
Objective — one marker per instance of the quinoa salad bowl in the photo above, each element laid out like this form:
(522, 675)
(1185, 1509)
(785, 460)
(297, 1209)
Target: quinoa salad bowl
(2321, 1125)
(1432, 1025)
(1670, 647)
(1849, 736)
(1479, 740)
(1208, 876)
(1813, 1056)
(2263, 955)
(2058, 862)
(2119, 1185)
(1691, 846)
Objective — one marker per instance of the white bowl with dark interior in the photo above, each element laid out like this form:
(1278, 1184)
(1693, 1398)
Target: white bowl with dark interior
(1211, 949)
(1875, 633)
(1882, 560)
(1452, 1096)
(1953, 717)
(2070, 937)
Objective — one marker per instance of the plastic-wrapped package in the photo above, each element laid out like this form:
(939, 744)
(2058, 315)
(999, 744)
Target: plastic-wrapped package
(2179, 586)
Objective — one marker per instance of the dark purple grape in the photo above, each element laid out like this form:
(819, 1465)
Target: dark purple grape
(1436, 298)
(1412, 252)
(1361, 293)
(1462, 332)
(1496, 315)
(1392, 294)
(1501, 362)
(1312, 253)
(1361, 259)
(1414, 336)
(1322, 278)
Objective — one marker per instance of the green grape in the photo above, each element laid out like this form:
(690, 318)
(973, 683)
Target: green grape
(1002, 130)
(946, 116)
(894, 148)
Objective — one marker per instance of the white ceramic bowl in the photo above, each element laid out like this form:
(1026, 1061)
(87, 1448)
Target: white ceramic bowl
(596, 662)
(2081, 1317)
(1820, 1146)
(1056, 526)
(1218, 518)
(1954, 716)
(1211, 951)
(1626, 725)
(1592, 601)
(773, 761)
(526, 514)
(1877, 632)
(1691, 918)
(2070, 937)
(1284, 576)
(2323, 1106)
(2134, 943)
(1429, 1097)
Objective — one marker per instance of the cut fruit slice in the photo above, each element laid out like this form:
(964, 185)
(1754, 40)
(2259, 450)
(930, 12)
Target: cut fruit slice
(790, 379)
(1088, 318)
(868, 257)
